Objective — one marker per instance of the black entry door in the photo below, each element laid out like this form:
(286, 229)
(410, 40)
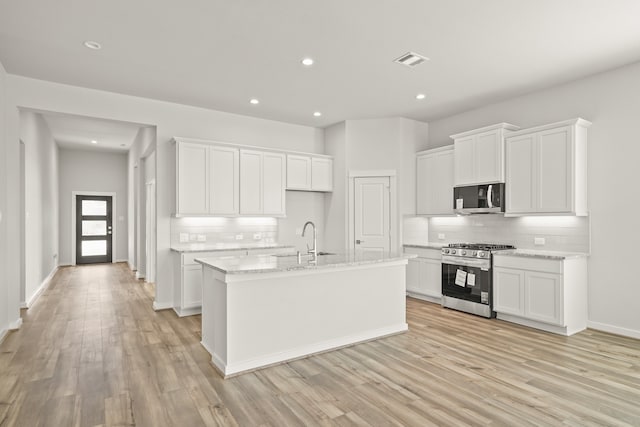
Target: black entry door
(93, 229)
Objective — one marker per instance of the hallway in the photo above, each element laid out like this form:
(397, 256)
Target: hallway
(93, 352)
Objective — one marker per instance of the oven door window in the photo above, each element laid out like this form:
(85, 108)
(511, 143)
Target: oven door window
(468, 283)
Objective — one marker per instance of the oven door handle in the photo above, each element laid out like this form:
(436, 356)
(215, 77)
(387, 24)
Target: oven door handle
(482, 264)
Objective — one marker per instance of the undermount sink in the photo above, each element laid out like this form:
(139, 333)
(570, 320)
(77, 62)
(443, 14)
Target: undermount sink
(305, 255)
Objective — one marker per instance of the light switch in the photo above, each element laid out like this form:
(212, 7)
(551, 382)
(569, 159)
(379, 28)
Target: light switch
(257, 236)
(440, 236)
(539, 241)
(202, 238)
(184, 237)
(193, 237)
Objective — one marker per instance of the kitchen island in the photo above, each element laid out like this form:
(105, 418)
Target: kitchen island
(266, 309)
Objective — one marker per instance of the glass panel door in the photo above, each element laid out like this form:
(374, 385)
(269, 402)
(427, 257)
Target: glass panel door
(94, 230)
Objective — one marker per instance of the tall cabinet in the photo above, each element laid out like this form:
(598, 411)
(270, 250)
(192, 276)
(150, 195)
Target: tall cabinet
(547, 169)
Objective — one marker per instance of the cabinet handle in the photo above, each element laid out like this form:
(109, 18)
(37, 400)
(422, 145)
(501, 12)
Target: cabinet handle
(359, 241)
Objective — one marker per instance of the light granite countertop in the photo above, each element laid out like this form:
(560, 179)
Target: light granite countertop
(427, 246)
(212, 247)
(284, 262)
(534, 253)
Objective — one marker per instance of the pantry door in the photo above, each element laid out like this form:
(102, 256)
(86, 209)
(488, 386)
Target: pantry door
(372, 215)
(94, 229)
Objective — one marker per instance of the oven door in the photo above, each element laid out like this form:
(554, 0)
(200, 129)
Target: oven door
(467, 279)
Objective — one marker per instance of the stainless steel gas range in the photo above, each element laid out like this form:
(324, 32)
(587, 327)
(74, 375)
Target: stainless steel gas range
(467, 277)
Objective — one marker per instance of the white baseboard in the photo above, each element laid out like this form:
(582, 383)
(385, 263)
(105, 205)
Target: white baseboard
(139, 275)
(3, 334)
(182, 312)
(122, 260)
(41, 288)
(157, 306)
(631, 333)
(228, 369)
(435, 300)
(131, 266)
(15, 324)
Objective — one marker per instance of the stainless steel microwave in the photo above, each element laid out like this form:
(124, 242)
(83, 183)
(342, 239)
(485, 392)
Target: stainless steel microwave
(479, 199)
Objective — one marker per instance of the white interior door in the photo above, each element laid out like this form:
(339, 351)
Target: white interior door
(372, 215)
(151, 231)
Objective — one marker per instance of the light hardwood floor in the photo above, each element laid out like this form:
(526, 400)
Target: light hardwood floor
(93, 352)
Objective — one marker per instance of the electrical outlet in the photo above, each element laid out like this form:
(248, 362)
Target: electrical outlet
(202, 238)
(193, 237)
(440, 236)
(298, 231)
(184, 237)
(539, 241)
(239, 237)
(257, 236)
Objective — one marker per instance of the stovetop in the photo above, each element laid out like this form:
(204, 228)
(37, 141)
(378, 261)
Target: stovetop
(481, 246)
(474, 250)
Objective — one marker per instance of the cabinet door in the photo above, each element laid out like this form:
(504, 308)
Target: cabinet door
(434, 186)
(250, 182)
(543, 296)
(224, 178)
(193, 193)
(273, 183)
(508, 291)
(489, 157)
(464, 172)
(554, 169)
(520, 185)
(191, 286)
(413, 275)
(431, 278)
(298, 172)
(321, 174)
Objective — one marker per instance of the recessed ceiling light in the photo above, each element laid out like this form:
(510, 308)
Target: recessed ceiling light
(92, 45)
(93, 141)
(307, 61)
(317, 114)
(421, 96)
(254, 101)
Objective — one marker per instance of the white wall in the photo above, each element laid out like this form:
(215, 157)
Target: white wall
(41, 201)
(4, 284)
(303, 206)
(92, 171)
(170, 120)
(336, 235)
(611, 101)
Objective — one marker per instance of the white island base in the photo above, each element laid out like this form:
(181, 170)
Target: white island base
(256, 319)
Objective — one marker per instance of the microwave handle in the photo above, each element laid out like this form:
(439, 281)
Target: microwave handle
(490, 196)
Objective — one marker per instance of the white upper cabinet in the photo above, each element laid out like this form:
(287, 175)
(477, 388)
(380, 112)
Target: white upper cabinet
(192, 169)
(298, 172)
(224, 180)
(479, 155)
(206, 179)
(309, 173)
(262, 183)
(546, 169)
(321, 174)
(434, 181)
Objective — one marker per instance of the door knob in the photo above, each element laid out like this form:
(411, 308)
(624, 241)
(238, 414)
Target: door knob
(358, 241)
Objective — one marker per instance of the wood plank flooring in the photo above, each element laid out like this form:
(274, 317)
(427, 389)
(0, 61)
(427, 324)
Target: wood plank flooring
(92, 352)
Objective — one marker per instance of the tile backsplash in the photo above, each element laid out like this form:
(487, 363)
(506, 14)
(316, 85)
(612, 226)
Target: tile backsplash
(224, 230)
(560, 233)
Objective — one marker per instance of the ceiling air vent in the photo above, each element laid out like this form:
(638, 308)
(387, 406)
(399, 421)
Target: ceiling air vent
(411, 59)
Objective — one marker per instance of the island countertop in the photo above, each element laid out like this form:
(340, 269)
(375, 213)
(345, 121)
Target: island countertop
(289, 262)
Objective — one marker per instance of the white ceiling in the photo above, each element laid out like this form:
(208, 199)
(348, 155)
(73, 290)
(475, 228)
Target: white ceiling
(219, 53)
(77, 132)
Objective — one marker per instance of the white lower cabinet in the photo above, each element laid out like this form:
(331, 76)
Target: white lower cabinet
(424, 274)
(548, 294)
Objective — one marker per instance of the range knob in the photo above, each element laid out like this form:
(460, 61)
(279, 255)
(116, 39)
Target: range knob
(473, 253)
(453, 251)
(463, 252)
(446, 251)
(481, 254)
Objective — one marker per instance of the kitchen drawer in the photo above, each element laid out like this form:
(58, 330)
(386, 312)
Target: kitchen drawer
(188, 258)
(425, 253)
(528, 263)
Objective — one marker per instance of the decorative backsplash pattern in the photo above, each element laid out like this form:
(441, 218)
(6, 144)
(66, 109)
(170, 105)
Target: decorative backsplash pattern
(560, 233)
(224, 230)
